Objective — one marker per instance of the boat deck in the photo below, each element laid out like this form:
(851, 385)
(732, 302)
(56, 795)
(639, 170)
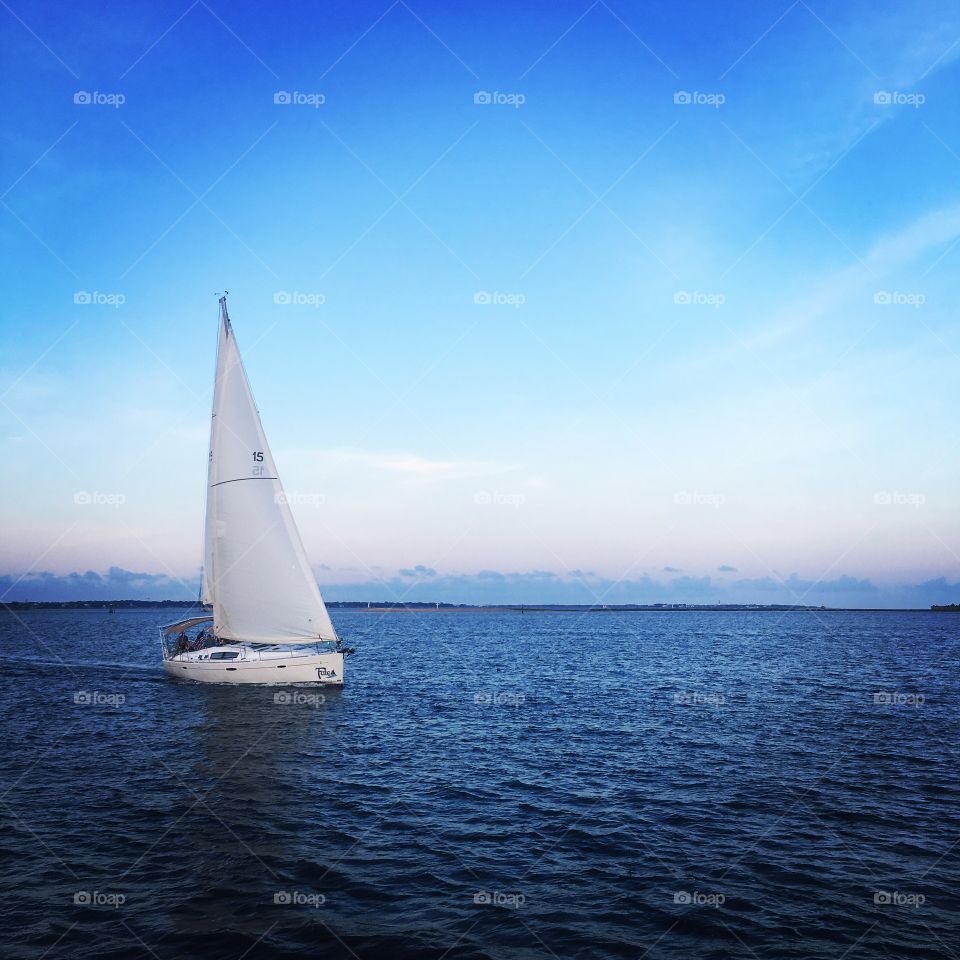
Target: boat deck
(206, 646)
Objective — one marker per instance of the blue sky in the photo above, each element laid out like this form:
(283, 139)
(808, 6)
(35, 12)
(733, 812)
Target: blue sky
(669, 314)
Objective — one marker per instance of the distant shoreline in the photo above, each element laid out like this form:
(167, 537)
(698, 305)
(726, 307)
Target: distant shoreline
(388, 607)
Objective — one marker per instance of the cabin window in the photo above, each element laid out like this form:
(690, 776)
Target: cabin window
(224, 655)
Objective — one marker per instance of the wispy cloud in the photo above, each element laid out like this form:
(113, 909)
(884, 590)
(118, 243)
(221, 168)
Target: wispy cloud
(403, 463)
(839, 289)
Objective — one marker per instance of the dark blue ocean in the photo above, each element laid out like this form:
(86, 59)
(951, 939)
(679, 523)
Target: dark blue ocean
(636, 785)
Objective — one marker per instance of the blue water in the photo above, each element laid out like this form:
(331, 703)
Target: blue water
(677, 785)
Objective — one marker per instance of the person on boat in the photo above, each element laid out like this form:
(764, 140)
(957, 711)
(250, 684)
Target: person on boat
(183, 644)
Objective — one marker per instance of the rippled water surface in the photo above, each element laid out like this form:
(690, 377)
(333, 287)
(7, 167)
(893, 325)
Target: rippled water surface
(749, 785)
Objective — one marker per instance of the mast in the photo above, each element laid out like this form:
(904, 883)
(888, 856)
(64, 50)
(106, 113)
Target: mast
(224, 316)
(207, 578)
(257, 575)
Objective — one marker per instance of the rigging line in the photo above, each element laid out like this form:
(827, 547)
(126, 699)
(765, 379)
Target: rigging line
(238, 479)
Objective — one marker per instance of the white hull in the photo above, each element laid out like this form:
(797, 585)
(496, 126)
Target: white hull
(254, 666)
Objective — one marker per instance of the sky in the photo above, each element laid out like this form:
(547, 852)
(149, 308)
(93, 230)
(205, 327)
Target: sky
(540, 302)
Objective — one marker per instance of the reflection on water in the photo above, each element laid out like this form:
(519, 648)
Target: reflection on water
(239, 805)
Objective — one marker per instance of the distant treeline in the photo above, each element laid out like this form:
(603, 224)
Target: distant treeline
(385, 605)
(396, 605)
(94, 604)
(572, 607)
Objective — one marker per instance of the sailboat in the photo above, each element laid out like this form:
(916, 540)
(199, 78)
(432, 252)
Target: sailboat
(269, 623)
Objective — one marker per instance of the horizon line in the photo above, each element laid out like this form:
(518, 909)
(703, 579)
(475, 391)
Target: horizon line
(421, 606)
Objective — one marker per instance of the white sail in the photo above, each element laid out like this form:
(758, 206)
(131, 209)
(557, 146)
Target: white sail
(256, 574)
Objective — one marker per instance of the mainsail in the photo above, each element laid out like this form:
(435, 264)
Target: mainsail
(256, 573)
